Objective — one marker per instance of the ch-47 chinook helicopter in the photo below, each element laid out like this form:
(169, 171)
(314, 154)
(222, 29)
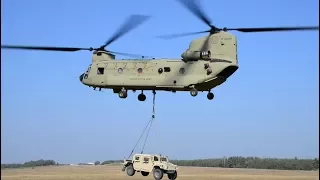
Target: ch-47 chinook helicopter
(208, 62)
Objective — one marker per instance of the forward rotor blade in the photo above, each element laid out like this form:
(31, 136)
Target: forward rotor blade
(131, 23)
(268, 29)
(181, 35)
(194, 7)
(44, 48)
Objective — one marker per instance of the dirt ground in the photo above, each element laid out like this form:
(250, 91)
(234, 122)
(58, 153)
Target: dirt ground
(115, 173)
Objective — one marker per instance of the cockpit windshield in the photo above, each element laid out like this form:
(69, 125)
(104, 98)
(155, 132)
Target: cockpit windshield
(88, 70)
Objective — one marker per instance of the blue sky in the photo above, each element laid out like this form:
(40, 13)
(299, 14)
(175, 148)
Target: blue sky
(268, 108)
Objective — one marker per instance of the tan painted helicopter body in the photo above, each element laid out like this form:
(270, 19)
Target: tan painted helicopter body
(195, 70)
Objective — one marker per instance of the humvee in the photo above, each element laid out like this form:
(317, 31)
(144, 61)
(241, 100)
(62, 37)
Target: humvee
(146, 163)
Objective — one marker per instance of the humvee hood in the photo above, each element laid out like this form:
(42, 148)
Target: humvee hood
(170, 165)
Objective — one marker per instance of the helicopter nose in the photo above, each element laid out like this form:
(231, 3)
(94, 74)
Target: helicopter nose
(81, 77)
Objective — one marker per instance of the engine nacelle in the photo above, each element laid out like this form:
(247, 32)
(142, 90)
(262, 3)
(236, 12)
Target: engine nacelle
(196, 55)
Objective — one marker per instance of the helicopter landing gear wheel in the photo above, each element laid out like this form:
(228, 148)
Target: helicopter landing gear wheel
(194, 92)
(142, 97)
(210, 95)
(123, 94)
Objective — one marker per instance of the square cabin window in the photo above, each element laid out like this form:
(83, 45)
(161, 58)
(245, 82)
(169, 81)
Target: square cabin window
(100, 70)
(166, 69)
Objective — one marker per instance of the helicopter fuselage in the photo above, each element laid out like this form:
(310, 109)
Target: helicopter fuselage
(158, 74)
(207, 63)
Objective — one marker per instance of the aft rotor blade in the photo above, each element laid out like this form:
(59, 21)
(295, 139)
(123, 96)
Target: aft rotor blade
(127, 54)
(44, 48)
(131, 23)
(268, 29)
(194, 7)
(181, 35)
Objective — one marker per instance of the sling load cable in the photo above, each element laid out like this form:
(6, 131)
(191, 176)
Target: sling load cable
(152, 119)
(157, 130)
(150, 122)
(139, 138)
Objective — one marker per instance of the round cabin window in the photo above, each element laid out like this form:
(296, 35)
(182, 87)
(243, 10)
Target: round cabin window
(160, 70)
(120, 70)
(139, 70)
(182, 70)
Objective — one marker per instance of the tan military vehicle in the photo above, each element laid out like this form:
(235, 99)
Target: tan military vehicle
(146, 163)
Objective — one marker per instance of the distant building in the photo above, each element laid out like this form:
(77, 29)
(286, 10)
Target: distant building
(86, 164)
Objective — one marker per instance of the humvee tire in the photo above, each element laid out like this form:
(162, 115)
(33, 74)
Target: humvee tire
(157, 173)
(144, 173)
(172, 176)
(130, 170)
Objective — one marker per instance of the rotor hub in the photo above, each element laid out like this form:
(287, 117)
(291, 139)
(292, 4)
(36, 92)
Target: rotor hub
(214, 30)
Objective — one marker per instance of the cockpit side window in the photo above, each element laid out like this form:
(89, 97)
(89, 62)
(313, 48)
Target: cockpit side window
(100, 71)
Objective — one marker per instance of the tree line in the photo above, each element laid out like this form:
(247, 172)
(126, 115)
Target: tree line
(248, 162)
(40, 162)
(253, 162)
(230, 162)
